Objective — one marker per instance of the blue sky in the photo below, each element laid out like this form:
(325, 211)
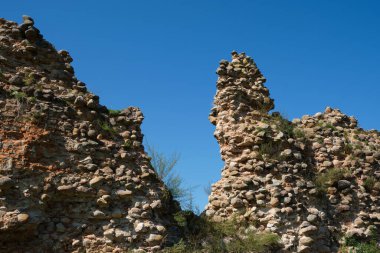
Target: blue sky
(162, 55)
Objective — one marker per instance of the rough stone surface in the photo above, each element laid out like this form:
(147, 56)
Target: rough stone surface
(73, 177)
(311, 181)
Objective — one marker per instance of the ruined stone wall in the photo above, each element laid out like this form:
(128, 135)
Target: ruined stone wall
(312, 181)
(74, 176)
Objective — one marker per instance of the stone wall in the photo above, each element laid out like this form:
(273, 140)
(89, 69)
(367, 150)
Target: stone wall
(312, 181)
(74, 176)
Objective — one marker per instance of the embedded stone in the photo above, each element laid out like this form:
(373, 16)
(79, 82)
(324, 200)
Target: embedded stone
(6, 183)
(139, 227)
(124, 193)
(31, 34)
(99, 214)
(311, 217)
(304, 240)
(236, 202)
(22, 217)
(154, 239)
(308, 230)
(343, 184)
(96, 181)
(109, 233)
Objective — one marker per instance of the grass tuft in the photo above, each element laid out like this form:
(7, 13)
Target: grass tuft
(20, 96)
(105, 126)
(369, 183)
(29, 79)
(326, 179)
(114, 113)
(352, 244)
(204, 235)
(283, 124)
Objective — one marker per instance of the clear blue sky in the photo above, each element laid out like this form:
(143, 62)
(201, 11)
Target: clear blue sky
(162, 55)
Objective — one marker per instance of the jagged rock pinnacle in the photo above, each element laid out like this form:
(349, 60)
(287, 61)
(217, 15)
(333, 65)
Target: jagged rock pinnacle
(27, 20)
(240, 88)
(28, 30)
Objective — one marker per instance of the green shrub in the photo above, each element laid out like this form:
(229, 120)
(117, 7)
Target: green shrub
(106, 127)
(348, 149)
(283, 124)
(114, 113)
(272, 150)
(185, 219)
(266, 148)
(221, 237)
(286, 126)
(326, 179)
(299, 133)
(369, 183)
(253, 243)
(180, 218)
(326, 125)
(358, 146)
(20, 96)
(29, 79)
(330, 126)
(228, 228)
(32, 99)
(360, 247)
(127, 144)
(267, 131)
(36, 117)
(166, 195)
(180, 247)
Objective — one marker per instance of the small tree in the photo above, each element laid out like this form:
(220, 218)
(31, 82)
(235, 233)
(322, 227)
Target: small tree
(164, 167)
